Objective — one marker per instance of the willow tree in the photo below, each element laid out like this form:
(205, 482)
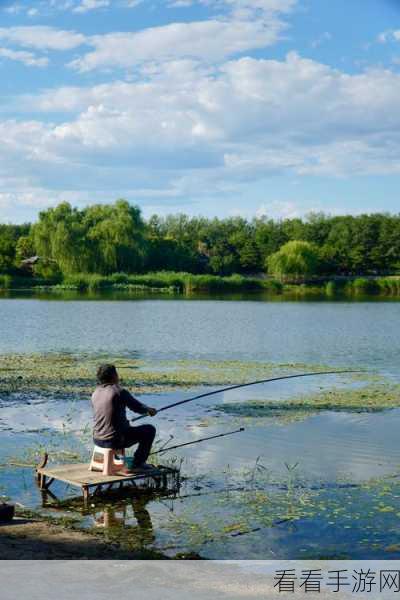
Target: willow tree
(295, 260)
(115, 237)
(59, 236)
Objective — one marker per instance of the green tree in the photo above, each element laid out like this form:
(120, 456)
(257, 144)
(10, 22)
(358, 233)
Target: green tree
(115, 237)
(9, 236)
(59, 239)
(296, 260)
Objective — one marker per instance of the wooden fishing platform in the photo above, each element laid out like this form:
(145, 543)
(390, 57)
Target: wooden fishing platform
(159, 479)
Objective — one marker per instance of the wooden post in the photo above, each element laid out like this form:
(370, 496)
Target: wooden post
(85, 491)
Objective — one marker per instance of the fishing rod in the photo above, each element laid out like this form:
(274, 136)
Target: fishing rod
(243, 385)
(211, 437)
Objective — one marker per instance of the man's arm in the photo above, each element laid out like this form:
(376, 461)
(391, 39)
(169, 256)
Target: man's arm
(135, 405)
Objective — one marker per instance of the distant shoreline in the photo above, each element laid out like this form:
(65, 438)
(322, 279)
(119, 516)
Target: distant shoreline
(186, 284)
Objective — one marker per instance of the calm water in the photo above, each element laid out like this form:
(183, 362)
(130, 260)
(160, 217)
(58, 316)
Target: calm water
(337, 453)
(336, 333)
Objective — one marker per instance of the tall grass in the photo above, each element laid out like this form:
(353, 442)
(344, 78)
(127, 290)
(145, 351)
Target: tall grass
(187, 283)
(363, 286)
(171, 281)
(8, 282)
(215, 283)
(5, 282)
(389, 286)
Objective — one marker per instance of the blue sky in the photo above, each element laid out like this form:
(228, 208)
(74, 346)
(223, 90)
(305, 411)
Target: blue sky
(213, 107)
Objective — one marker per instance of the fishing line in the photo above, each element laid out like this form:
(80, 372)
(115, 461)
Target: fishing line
(211, 437)
(243, 385)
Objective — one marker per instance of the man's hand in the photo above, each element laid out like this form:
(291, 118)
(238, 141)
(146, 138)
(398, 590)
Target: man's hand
(151, 411)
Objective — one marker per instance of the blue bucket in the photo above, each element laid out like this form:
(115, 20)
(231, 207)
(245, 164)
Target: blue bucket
(128, 462)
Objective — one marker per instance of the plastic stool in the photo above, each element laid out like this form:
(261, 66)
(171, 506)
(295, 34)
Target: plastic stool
(106, 460)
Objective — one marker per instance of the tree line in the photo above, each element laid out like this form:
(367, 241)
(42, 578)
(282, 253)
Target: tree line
(111, 238)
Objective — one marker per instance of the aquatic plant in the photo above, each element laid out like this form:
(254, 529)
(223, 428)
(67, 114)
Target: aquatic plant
(389, 285)
(70, 375)
(371, 397)
(365, 286)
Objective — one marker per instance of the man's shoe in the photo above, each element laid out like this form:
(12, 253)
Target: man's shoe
(143, 467)
(126, 472)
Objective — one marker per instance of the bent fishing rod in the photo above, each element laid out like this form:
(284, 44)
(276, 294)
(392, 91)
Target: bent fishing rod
(205, 439)
(243, 385)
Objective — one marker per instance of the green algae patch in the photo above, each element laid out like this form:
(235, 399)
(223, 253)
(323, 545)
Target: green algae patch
(68, 374)
(373, 397)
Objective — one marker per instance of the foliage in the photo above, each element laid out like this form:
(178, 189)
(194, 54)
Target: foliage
(9, 236)
(295, 260)
(361, 285)
(103, 239)
(98, 239)
(164, 280)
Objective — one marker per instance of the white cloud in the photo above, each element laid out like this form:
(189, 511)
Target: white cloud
(27, 58)
(180, 4)
(42, 37)
(324, 37)
(87, 5)
(133, 3)
(286, 209)
(211, 40)
(216, 129)
(248, 25)
(391, 35)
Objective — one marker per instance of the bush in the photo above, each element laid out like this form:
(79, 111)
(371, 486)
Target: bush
(365, 286)
(160, 280)
(389, 285)
(331, 288)
(18, 282)
(5, 282)
(75, 282)
(119, 278)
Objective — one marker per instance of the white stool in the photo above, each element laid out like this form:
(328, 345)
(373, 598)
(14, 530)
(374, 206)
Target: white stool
(106, 460)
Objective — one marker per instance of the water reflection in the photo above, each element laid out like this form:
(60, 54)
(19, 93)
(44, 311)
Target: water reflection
(120, 518)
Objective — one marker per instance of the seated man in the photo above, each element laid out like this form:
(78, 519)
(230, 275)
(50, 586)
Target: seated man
(111, 426)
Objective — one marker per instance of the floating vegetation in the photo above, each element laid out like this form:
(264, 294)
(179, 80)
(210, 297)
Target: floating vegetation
(357, 520)
(224, 512)
(371, 397)
(68, 374)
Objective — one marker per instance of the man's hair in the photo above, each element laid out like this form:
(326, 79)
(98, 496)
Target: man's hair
(106, 373)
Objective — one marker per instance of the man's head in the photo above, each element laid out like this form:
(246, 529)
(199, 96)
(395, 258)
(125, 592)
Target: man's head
(107, 374)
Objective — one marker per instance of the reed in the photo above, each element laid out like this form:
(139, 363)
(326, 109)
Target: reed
(188, 283)
(9, 282)
(165, 280)
(5, 282)
(363, 286)
(389, 286)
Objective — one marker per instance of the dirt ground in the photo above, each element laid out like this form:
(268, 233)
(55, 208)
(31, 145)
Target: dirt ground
(30, 539)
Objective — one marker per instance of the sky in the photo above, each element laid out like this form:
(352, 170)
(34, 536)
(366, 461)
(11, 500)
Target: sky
(222, 108)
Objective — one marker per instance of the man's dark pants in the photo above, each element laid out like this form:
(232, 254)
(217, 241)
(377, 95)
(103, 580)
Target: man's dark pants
(143, 435)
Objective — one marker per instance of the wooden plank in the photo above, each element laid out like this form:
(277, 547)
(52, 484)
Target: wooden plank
(80, 476)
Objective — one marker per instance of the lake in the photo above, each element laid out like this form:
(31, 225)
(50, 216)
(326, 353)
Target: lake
(295, 484)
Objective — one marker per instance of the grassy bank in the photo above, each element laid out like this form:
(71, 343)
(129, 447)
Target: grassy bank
(164, 281)
(187, 283)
